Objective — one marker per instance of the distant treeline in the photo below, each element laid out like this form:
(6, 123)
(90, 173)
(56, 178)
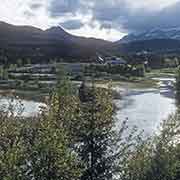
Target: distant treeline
(123, 70)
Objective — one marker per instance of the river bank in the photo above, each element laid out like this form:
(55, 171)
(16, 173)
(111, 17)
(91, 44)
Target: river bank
(141, 104)
(147, 108)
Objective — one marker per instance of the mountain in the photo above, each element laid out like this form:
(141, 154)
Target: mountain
(153, 46)
(154, 41)
(30, 42)
(169, 33)
(27, 42)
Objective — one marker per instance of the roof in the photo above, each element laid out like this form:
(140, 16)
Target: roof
(116, 60)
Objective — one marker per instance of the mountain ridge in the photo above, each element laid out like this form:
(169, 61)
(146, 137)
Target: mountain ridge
(54, 42)
(156, 33)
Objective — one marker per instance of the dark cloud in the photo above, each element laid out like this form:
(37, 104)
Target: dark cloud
(29, 14)
(106, 10)
(35, 6)
(169, 16)
(142, 20)
(121, 17)
(117, 14)
(60, 7)
(72, 24)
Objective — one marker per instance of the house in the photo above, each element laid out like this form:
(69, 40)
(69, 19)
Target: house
(115, 61)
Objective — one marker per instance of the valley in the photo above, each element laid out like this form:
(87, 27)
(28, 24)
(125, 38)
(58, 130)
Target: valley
(143, 98)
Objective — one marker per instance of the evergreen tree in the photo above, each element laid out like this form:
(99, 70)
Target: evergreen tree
(101, 146)
(20, 62)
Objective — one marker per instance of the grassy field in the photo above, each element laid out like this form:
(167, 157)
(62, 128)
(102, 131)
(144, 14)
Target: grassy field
(166, 72)
(33, 91)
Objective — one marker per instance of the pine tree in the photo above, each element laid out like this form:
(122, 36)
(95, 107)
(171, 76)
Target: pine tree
(101, 146)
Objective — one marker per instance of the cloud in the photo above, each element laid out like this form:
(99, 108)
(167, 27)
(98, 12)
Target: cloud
(62, 7)
(97, 32)
(28, 14)
(144, 20)
(126, 16)
(122, 15)
(107, 19)
(72, 24)
(35, 6)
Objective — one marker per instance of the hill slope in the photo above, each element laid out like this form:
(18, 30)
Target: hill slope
(154, 46)
(168, 33)
(27, 41)
(55, 43)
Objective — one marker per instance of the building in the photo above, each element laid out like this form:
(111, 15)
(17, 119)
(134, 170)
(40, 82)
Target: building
(115, 61)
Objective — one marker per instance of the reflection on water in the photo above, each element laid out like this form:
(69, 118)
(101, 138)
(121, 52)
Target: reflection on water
(147, 108)
(144, 108)
(28, 108)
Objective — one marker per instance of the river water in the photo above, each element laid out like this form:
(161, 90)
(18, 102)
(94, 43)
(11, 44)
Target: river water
(147, 108)
(26, 108)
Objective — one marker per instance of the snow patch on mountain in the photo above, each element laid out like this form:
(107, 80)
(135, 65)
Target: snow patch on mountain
(156, 33)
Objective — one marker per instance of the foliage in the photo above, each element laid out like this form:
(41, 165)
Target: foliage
(158, 157)
(101, 147)
(73, 139)
(19, 62)
(37, 148)
(124, 70)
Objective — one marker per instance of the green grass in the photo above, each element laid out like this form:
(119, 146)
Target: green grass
(143, 83)
(165, 72)
(36, 96)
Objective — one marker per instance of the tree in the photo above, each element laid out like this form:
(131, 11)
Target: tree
(12, 150)
(101, 146)
(50, 157)
(37, 150)
(64, 103)
(19, 62)
(69, 140)
(5, 73)
(41, 148)
(89, 123)
(1, 72)
(94, 136)
(28, 61)
(158, 157)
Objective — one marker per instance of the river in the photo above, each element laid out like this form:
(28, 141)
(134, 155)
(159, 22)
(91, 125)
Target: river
(26, 108)
(147, 108)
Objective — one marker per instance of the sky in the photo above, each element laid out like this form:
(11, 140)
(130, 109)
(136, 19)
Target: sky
(105, 19)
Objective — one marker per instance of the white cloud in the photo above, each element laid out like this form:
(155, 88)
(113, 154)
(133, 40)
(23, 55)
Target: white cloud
(104, 19)
(98, 32)
(18, 12)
